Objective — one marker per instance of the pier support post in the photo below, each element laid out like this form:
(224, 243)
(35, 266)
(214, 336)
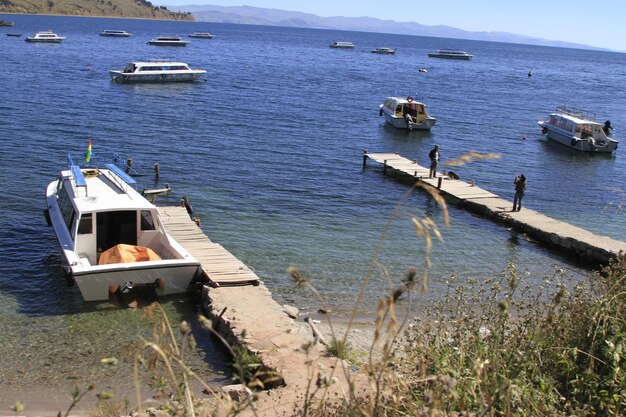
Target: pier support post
(156, 170)
(439, 183)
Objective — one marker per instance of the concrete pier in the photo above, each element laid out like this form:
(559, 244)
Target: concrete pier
(247, 316)
(567, 238)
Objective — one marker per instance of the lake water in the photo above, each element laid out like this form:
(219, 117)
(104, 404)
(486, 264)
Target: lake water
(268, 150)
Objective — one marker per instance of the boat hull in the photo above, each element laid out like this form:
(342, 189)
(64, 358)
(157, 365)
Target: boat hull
(33, 40)
(459, 57)
(167, 277)
(121, 77)
(401, 123)
(168, 43)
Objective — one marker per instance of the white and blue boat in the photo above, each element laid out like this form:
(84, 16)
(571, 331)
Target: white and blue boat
(111, 237)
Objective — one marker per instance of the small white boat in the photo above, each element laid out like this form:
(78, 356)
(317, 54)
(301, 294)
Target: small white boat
(384, 51)
(578, 130)
(111, 237)
(406, 113)
(451, 54)
(46, 37)
(342, 45)
(156, 72)
(115, 33)
(168, 41)
(423, 70)
(202, 35)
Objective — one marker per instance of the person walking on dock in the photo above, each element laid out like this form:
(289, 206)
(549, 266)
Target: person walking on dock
(434, 160)
(520, 187)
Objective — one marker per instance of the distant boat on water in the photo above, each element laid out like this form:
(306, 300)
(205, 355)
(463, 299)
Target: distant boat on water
(3, 23)
(451, 54)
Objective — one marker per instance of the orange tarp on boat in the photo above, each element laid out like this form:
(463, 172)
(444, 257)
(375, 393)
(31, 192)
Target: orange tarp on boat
(123, 253)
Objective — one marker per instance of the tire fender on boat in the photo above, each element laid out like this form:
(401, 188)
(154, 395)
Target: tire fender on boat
(380, 112)
(164, 76)
(544, 130)
(125, 77)
(574, 142)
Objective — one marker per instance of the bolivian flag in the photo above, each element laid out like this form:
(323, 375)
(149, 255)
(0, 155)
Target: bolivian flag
(88, 153)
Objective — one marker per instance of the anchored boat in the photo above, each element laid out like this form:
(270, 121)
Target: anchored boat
(111, 237)
(406, 113)
(578, 130)
(115, 33)
(451, 54)
(168, 41)
(156, 72)
(45, 37)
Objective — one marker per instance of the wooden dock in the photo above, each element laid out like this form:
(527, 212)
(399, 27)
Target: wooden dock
(567, 238)
(220, 266)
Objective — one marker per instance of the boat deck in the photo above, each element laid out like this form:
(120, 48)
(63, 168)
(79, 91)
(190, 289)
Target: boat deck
(221, 267)
(568, 238)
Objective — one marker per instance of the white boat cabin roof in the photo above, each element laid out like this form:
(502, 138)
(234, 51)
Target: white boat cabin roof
(157, 63)
(104, 191)
(403, 100)
(576, 119)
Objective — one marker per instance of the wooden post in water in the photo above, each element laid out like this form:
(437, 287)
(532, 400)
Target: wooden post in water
(156, 170)
(364, 158)
(385, 167)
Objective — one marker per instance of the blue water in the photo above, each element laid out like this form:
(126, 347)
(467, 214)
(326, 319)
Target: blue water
(268, 150)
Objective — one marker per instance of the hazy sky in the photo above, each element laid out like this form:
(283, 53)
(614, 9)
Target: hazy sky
(599, 23)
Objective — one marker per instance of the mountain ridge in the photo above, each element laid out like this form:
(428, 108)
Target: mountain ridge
(276, 17)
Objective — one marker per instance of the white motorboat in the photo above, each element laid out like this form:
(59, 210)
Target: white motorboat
(202, 35)
(578, 130)
(406, 113)
(168, 41)
(342, 45)
(115, 33)
(451, 54)
(111, 237)
(384, 51)
(45, 37)
(156, 72)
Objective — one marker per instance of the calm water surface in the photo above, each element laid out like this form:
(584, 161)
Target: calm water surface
(268, 150)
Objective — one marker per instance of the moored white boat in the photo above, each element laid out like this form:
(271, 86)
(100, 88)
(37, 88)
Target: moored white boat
(342, 45)
(384, 51)
(406, 113)
(168, 41)
(202, 35)
(45, 37)
(111, 237)
(578, 130)
(156, 72)
(115, 33)
(451, 54)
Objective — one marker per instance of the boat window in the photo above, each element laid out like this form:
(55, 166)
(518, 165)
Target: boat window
(85, 227)
(147, 222)
(66, 208)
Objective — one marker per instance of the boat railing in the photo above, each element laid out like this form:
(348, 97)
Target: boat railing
(575, 112)
(77, 174)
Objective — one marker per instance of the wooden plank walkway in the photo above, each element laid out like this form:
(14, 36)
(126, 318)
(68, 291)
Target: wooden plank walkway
(220, 266)
(551, 232)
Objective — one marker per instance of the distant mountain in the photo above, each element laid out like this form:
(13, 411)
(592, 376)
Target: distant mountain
(273, 17)
(142, 9)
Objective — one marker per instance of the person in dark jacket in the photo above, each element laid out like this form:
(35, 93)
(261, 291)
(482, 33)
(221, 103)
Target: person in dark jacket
(434, 160)
(520, 188)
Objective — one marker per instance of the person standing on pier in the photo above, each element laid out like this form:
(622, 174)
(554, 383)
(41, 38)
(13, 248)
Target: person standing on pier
(434, 160)
(520, 187)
